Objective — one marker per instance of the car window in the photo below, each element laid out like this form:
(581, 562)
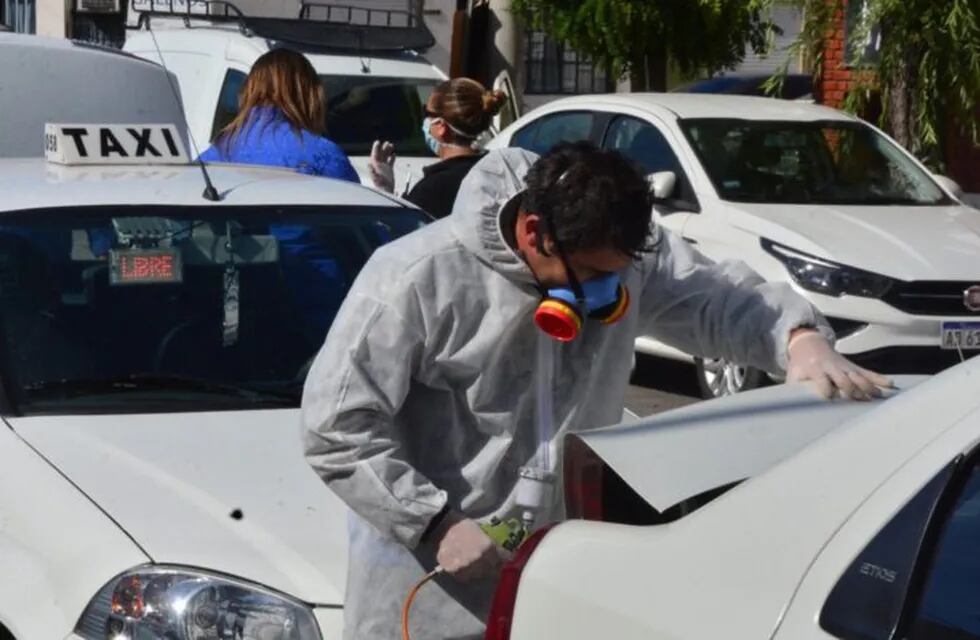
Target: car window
(143, 309)
(360, 110)
(644, 144)
(544, 133)
(794, 162)
(227, 107)
(950, 604)
(867, 601)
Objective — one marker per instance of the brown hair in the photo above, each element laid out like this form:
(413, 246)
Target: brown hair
(284, 79)
(466, 105)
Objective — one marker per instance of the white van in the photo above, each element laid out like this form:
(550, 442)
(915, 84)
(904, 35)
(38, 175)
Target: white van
(369, 60)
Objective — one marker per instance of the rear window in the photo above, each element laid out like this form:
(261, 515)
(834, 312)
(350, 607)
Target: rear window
(143, 309)
(360, 110)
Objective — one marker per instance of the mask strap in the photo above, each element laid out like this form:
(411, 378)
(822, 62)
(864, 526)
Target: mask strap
(573, 282)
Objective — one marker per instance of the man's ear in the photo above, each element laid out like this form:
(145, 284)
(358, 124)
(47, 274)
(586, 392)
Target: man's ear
(528, 228)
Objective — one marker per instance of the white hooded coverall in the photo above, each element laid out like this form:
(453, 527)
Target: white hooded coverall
(423, 393)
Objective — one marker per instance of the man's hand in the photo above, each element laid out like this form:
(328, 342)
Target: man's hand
(813, 359)
(382, 165)
(465, 551)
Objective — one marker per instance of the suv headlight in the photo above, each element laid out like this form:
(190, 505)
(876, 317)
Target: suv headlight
(183, 604)
(826, 277)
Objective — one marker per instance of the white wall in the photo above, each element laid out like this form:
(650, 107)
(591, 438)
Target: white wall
(52, 18)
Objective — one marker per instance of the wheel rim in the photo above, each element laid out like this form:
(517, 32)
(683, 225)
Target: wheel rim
(723, 378)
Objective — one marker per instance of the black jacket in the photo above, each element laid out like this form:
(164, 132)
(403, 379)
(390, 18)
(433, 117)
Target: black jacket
(436, 191)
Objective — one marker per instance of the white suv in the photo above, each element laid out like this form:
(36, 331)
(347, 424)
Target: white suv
(376, 81)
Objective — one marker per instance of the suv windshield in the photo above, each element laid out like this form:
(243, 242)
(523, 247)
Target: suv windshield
(362, 110)
(789, 162)
(145, 309)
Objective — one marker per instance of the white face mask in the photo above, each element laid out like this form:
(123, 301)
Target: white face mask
(430, 141)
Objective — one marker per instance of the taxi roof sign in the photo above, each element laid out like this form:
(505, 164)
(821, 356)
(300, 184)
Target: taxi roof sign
(113, 144)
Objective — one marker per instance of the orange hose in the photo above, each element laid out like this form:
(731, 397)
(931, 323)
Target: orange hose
(411, 598)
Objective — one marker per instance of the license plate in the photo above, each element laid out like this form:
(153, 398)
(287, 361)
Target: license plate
(961, 335)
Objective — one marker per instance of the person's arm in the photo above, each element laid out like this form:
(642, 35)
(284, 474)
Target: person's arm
(721, 309)
(355, 388)
(727, 310)
(330, 161)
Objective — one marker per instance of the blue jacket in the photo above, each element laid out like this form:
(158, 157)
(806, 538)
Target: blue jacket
(267, 138)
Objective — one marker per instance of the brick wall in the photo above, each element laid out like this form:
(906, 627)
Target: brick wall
(962, 157)
(835, 77)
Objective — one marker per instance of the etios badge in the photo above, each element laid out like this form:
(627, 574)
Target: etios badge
(971, 298)
(113, 144)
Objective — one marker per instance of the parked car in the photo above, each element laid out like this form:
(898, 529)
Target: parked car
(154, 346)
(765, 515)
(804, 194)
(795, 86)
(370, 62)
(154, 339)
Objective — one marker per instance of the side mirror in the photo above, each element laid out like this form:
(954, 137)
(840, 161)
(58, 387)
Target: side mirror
(662, 184)
(950, 185)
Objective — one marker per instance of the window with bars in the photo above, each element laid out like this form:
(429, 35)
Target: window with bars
(553, 67)
(18, 15)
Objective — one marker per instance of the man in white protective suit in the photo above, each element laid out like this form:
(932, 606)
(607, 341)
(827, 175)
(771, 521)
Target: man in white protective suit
(419, 410)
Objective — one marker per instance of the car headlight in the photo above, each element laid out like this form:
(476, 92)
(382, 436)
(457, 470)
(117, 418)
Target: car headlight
(826, 277)
(183, 604)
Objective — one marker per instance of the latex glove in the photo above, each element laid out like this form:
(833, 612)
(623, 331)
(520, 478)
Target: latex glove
(813, 359)
(381, 165)
(466, 552)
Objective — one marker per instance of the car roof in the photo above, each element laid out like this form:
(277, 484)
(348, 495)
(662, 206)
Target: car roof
(33, 183)
(223, 39)
(702, 105)
(56, 80)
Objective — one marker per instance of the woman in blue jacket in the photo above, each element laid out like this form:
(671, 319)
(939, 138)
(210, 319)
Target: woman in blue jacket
(280, 123)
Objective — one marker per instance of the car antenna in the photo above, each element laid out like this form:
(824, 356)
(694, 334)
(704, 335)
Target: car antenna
(210, 193)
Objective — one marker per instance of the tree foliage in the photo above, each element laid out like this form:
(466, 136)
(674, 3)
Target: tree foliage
(695, 35)
(927, 75)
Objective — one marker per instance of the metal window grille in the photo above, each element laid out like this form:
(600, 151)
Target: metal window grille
(19, 15)
(555, 68)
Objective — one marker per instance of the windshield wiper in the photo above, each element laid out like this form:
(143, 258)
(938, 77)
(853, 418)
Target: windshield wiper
(74, 388)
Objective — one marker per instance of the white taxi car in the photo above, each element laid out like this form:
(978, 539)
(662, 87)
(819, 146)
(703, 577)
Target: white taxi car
(376, 82)
(153, 347)
(804, 194)
(857, 521)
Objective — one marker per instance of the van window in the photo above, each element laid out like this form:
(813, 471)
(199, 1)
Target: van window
(359, 111)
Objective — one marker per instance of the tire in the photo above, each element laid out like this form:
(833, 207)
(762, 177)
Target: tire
(719, 378)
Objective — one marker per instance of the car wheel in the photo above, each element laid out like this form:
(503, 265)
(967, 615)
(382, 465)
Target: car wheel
(718, 377)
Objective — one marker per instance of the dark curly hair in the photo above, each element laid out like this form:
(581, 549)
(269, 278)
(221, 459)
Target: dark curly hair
(590, 199)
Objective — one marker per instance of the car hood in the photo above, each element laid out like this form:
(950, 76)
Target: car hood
(408, 170)
(173, 481)
(683, 453)
(910, 243)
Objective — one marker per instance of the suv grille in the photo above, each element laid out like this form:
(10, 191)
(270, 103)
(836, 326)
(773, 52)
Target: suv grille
(930, 298)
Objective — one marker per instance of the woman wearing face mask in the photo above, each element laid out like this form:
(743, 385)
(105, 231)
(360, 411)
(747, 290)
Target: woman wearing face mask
(457, 113)
(281, 121)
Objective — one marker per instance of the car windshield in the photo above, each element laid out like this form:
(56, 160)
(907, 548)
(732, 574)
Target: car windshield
(163, 309)
(824, 162)
(361, 110)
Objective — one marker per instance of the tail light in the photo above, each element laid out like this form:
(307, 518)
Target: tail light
(584, 475)
(505, 598)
